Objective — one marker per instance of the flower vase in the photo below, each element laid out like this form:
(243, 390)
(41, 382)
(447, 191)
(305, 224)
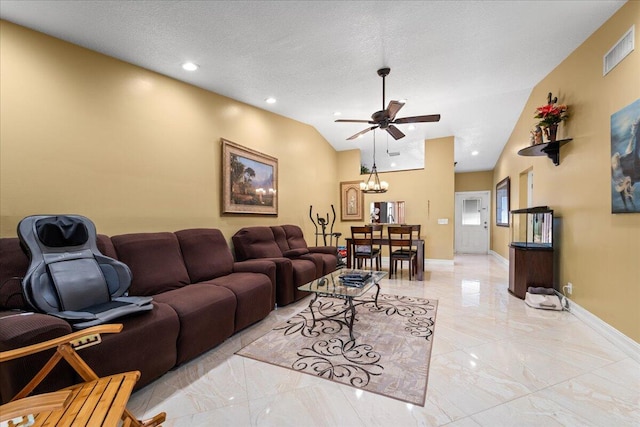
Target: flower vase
(551, 132)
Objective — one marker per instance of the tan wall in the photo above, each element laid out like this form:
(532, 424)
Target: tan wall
(134, 150)
(474, 181)
(137, 151)
(428, 194)
(599, 252)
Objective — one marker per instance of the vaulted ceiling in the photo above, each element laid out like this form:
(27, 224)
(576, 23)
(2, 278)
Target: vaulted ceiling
(474, 62)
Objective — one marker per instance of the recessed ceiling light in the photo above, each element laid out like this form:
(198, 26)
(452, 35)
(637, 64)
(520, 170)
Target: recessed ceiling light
(403, 101)
(190, 66)
(412, 127)
(337, 113)
(475, 153)
(393, 165)
(270, 100)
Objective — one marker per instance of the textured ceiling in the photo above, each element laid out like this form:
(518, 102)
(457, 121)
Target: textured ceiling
(474, 62)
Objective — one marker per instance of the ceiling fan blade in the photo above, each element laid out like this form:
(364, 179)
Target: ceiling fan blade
(361, 133)
(353, 121)
(395, 132)
(393, 108)
(418, 119)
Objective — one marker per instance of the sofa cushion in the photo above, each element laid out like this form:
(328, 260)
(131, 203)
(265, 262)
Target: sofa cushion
(268, 267)
(281, 238)
(151, 336)
(253, 295)
(105, 246)
(13, 266)
(329, 261)
(255, 242)
(325, 256)
(155, 261)
(206, 253)
(294, 236)
(206, 314)
(304, 271)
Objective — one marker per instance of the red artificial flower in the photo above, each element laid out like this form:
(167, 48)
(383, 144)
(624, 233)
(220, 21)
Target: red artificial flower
(551, 114)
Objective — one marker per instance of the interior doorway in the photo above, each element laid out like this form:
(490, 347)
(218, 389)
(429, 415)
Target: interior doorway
(525, 190)
(526, 198)
(472, 222)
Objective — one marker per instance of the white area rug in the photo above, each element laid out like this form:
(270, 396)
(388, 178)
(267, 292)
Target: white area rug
(389, 355)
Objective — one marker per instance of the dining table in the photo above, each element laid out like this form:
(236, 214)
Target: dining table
(384, 241)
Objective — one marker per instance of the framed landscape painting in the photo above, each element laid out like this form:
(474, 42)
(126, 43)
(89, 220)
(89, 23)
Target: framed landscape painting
(249, 181)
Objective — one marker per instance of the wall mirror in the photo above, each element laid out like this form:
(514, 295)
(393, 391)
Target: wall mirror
(387, 212)
(502, 202)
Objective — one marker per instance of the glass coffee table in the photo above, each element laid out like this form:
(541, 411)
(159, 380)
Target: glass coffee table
(346, 285)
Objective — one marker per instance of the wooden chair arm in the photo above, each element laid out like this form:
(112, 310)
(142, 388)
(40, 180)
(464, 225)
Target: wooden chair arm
(35, 404)
(55, 342)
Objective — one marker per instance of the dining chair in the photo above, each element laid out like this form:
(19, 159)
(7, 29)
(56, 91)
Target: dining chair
(416, 235)
(363, 247)
(401, 249)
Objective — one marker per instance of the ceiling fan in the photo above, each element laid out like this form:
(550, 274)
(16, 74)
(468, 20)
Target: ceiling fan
(386, 119)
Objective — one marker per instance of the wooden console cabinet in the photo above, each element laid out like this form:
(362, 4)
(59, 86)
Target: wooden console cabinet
(531, 249)
(529, 267)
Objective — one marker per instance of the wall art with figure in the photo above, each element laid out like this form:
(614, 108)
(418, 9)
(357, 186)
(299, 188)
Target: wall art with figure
(351, 201)
(249, 181)
(625, 159)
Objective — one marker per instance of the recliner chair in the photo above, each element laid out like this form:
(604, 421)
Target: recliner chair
(68, 277)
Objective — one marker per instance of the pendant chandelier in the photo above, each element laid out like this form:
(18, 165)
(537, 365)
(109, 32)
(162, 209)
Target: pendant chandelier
(373, 184)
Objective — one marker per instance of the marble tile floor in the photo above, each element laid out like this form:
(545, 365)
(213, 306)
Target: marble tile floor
(494, 362)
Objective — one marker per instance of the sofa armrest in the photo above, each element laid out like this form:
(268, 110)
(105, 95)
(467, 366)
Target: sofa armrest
(331, 250)
(295, 253)
(264, 266)
(283, 290)
(19, 330)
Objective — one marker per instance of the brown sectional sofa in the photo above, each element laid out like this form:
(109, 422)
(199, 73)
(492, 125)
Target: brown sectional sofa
(296, 264)
(324, 256)
(201, 297)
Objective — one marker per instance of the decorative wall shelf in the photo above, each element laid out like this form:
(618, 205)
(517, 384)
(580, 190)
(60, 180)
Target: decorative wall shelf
(549, 149)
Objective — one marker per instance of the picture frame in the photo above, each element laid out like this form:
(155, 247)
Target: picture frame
(503, 202)
(351, 201)
(249, 181)
(625, 149)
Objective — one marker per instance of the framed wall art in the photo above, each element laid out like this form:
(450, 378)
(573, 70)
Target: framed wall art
(249, 181)
(351, 201)
(625, 159)
(502, 202)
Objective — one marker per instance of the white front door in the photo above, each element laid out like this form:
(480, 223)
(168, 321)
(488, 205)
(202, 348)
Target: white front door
(472, 222)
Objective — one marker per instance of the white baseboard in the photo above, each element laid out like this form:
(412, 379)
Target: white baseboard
(620, 340)
(499, 257)
(432, 261)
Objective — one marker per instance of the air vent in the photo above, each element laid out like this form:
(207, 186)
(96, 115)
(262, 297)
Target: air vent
(619, 51)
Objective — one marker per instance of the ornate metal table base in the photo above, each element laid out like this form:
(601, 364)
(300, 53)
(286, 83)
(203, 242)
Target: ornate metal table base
(349, 309)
